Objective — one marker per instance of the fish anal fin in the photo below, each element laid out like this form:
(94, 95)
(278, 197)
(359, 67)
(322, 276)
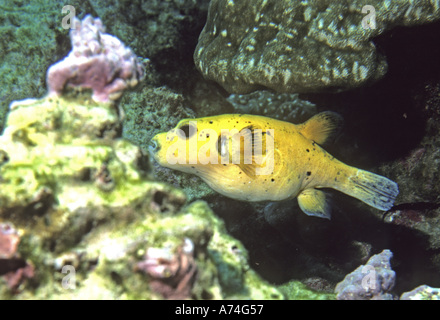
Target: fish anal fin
(322, 127)
(314, 202)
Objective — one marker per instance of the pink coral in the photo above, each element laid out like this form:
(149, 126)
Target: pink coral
(13, 269)
(98, 61)
(173, 273)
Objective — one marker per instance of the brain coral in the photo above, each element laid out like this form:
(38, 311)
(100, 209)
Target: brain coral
(300, 46)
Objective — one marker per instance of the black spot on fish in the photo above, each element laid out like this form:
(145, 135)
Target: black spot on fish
(307, 150)
(272, 179)
(309, 173)
(211, 122)
(224, 164)
(192, 167)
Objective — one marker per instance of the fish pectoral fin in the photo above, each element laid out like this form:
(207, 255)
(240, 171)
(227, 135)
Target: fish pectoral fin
(253, 153)
(314, 202)
(248, 169)
(322, 127)
(261, 165)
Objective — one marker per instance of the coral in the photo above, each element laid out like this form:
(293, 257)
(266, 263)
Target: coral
(13, 270)
(296, 46)
(9, 240)
(173, 273)
(98, 61)
(283, 106)
(372, 281)
(423, 292)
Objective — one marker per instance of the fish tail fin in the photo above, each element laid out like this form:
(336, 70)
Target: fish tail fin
(373, 189)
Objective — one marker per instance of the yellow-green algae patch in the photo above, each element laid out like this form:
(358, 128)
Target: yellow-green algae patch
(64, 145)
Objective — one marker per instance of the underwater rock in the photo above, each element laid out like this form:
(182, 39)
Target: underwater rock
(98, 61)
(282, 106)
(423, 292)
(296, 46)
(418, 171)
(372, 281)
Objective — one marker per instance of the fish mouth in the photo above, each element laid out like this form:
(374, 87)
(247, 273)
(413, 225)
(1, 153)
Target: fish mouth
(153, 147)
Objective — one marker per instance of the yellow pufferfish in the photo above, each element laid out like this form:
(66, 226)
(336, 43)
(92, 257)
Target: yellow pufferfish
(256, 158)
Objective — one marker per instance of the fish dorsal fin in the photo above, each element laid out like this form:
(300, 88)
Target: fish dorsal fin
(322, 127)
(252, 151)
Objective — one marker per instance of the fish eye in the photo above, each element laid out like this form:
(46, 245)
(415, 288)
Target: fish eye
(186, 131)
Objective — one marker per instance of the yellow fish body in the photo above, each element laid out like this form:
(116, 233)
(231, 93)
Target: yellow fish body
(255, 158)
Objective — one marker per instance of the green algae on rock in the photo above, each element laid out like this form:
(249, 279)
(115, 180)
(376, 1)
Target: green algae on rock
(300, 46)
(59, 147)
(296, 290)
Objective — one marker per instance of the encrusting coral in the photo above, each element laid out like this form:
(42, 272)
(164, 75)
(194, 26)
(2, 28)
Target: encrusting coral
(300, 46)
(98, 61)
(173, 273)
(372, 281)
